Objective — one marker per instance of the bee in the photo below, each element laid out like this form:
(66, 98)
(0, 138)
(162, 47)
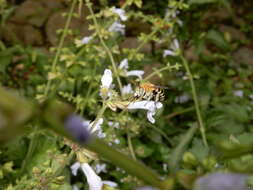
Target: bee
(149, 91)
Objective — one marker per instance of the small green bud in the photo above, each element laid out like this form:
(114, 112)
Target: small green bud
(189, 158)
(209, 163)
(36, 171)
(59, 180)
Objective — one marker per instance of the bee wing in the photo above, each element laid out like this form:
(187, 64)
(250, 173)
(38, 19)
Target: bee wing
(162, 87)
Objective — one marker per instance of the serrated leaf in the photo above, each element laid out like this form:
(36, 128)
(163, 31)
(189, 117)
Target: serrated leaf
(199, 150)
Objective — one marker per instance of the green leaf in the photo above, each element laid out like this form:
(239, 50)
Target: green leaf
(217, 39)
(199, 150)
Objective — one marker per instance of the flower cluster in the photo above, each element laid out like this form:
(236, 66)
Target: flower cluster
(117, 26)
(150, 106)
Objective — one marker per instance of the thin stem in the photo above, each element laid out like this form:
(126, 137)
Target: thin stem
(130, 145)
(104, 45)
(179, 112)
(64, 34)
(168, 67)
(31, 148)
(132, 167)
(196, 102)
(145, 41)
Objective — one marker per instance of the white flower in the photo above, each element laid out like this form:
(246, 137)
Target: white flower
(251, 96)
(117, 27)
(182, 99)
(120, 12)
(127, 89)
(124, 66)
(106, 79)
(173, 50)
(113, 124)
(95, 129)
(86, 39)
(94, 181)
(116, 141)
(137, 73)
(238, 93)
(150, 106)
(74, 187)
(100, 168)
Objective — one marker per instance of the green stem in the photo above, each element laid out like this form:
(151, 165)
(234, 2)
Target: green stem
(33, 143)
(196, 102)
(145, 41)
(168, 67)
(132, 167)
(130, 146)
(104, 44)
(179, 112)
(64, 34)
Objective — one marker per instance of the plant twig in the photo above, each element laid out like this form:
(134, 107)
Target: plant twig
(104, 44)
(64, 34)
(195, 99)
(130, 146)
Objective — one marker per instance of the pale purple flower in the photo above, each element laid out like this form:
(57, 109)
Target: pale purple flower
(96, 129)
(73, 124)
(116, 141)
(150, 106)
(168, 52)
(182, 99)
(137, 73)
(86, 39)
(113, 124)
(124, 66)
(238, 93)
(222, 181)
(127, 89)
(117, 27)
(173, 50)
(120, 12)
(100, 168)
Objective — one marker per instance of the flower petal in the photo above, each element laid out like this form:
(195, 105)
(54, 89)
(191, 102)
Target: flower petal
(150, 106)
(150, 117)
(94, 181)
(86, 39)
(106, 79)
(124, 64)
(238, 93)
(137, 73)
(168, 52)
(127, 89)
(75, 167)
(110, 183)
(117, 27)
(120, 12)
